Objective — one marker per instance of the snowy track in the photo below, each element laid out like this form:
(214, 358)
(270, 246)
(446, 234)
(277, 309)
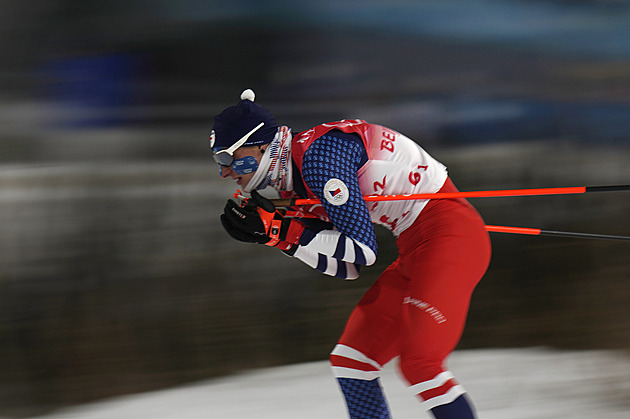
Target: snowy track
(514, 384)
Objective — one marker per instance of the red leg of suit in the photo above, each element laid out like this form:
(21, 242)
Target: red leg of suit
(418, 307)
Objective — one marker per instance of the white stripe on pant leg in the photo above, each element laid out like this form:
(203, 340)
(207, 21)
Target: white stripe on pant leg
(446, 398)
(347, 352)
(343, 372)
(351, 353)
(436, 382)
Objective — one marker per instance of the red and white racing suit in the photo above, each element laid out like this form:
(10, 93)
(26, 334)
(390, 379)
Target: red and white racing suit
(417, 308)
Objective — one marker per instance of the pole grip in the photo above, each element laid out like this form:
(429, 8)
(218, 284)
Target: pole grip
(291, 202)
(283, 202)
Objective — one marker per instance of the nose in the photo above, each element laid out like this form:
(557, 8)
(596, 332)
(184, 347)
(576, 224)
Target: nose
(225, 171)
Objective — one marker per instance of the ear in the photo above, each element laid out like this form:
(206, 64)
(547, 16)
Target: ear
(263, 148)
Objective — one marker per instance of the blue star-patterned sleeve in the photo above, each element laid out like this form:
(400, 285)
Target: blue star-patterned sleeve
(338, 252)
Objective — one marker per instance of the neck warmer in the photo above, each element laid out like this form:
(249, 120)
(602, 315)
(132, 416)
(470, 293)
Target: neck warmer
(275, 168)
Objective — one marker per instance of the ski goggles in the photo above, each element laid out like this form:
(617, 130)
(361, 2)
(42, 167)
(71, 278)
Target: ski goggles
(225, 157)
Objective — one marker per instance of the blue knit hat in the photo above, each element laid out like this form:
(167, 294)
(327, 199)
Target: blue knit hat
(236, 121)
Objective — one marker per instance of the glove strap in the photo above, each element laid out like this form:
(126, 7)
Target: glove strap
(280, 229)
(272, 225)
(274, 232)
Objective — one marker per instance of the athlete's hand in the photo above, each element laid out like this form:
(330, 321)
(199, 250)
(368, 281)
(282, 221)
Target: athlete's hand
(243, 223)
(259, 222)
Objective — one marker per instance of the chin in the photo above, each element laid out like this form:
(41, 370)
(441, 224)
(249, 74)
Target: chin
(244, 181)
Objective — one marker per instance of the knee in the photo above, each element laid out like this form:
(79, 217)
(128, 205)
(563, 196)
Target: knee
(347, 362)
(417, 370)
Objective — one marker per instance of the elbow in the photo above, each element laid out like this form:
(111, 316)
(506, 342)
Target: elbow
(352, 277)
(370, 258)
(350, 272)
(364, 255)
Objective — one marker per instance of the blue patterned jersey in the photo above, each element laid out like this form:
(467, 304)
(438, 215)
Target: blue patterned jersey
(340, 252)
(340, 162)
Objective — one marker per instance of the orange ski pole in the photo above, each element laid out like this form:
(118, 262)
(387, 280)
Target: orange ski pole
(473, 194)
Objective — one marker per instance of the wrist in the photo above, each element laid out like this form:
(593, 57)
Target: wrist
(292, 230)
(287, 248)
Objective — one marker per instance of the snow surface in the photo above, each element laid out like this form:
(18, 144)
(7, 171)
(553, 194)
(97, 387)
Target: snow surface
(504, 384)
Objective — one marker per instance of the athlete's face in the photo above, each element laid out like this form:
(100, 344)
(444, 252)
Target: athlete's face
(239, 153)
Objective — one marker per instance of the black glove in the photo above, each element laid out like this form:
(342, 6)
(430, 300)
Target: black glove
(259, 222)
(244, 223)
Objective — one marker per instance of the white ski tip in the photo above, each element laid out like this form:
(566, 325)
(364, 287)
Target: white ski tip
(248, 94)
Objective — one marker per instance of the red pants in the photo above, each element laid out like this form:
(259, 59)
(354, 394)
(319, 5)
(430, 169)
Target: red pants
(418, 306)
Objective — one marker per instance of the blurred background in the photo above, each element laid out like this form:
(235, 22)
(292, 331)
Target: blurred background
(115, 274)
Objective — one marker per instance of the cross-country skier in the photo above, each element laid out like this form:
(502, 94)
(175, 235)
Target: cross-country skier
(417, 308)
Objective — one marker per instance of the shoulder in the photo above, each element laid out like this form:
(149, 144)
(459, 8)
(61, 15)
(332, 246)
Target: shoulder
(357, 126)
(339, 147)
